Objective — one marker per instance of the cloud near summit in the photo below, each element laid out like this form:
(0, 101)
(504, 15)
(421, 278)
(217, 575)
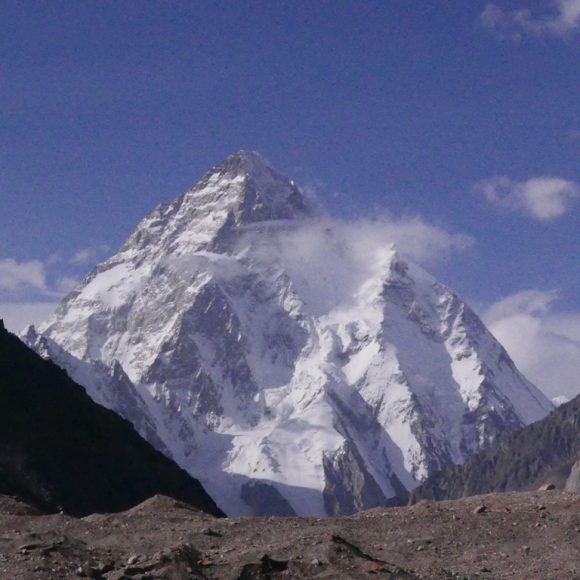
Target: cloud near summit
(330, 259)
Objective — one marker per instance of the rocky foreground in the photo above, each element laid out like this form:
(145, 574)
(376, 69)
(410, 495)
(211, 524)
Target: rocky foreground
(512, 535)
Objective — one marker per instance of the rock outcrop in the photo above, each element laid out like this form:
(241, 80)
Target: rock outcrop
(573, 481)
(545, 452)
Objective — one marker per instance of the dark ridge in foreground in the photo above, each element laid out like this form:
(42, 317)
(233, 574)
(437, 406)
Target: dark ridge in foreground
(61, 451)
(515, 535)
(543, 452)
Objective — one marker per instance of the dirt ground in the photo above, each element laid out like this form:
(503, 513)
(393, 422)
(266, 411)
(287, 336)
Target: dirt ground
(534, 535)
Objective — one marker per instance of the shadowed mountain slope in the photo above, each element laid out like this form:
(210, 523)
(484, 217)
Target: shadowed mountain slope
(61, 451)
(541, 452)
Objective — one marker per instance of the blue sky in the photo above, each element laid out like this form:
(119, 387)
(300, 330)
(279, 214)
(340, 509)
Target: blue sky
(463, 114)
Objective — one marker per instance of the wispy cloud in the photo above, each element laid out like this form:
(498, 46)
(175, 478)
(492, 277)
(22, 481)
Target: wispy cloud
(81, 257)
(65, 284)
(88, 255)
(17, 316)
(544, 343)
(329, 259)
(34, 278)
(541, 198)
(15, 275)
(562, 20)
(30, 290)
(358, 240)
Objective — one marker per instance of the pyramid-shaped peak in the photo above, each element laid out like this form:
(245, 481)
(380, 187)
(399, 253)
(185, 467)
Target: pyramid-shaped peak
(245, 159)
(243, 189)
(251, 189)
(248, 163)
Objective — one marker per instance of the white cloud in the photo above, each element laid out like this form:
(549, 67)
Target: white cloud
(14, 275)
(86, 255)
(82, 256)
(18, 316)
(329, 259)
(422, 242)
(541, 198)
(544, 343)
(29, 290)
(45, 280)
(563, 20)
(65, 284)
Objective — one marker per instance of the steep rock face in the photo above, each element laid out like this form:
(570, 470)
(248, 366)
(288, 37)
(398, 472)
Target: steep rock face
(349, 487)
(60, 450)
(546, 451)
(264, 499)
(573, 481)
(244, 365)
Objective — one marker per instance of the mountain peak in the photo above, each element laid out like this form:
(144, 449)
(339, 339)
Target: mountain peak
(242, 190)
(248, 358)
(254, 170)
(248, 187)
(244, 161)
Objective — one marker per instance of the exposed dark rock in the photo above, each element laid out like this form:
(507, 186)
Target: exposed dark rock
(265, 500)
(264, 570)
(341, 549)
(349, 487)
(543, 452)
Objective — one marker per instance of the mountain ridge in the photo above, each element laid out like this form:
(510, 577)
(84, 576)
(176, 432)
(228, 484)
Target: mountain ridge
(250, 340)
(61, 451)
(543, 452)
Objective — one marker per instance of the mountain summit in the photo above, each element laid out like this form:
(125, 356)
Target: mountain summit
(284, 387)
(243, 190)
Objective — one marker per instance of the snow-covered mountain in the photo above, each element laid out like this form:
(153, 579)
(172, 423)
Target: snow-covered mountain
(283, 389)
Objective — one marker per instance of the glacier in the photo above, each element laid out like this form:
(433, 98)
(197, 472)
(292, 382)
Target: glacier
(283, 387)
